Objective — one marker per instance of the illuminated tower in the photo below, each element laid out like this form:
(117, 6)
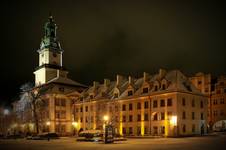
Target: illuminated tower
(50, 55)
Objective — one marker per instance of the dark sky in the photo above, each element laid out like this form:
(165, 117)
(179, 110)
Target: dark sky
(102, 39)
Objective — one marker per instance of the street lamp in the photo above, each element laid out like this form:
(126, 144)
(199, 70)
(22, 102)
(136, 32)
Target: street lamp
(173, 122)
(75, 125)
(106, 118)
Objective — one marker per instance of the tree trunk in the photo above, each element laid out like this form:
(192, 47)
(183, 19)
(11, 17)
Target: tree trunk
(36, 118)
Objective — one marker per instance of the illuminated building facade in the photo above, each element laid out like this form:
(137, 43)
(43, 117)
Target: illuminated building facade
(215, 89)
(164, 104)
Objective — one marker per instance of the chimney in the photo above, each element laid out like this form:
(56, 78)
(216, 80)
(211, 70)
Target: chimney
(130, 80)
(119, 79)
(95, 84)
(106, 82)
(145, 76)
(162, 73)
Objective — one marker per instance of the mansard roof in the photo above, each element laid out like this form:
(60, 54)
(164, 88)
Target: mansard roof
(174, 80)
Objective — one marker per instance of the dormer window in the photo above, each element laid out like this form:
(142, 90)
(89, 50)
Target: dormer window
(61, 89)
(130, 93)
(103, 94)
(163, 87)
(145, 90)
(116, 95)
(91, 96)
(156, 88)
(81, 99)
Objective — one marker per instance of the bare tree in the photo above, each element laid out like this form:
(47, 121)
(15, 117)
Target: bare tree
(34, 97)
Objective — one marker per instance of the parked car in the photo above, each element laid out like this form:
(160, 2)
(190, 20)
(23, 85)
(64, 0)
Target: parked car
(14, 136)
(43, 136)
(90, 135)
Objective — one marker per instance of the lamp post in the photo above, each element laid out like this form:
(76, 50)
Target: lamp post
(48, 124)
(173, 122)
(75, 125)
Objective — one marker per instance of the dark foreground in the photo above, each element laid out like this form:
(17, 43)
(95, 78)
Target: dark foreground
(213, 142)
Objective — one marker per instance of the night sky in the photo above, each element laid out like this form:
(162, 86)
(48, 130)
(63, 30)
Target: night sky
(101, 39)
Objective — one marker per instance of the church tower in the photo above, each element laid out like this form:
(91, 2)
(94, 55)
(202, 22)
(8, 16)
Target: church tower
(50, 55)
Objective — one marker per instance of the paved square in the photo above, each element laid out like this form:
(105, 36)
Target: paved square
(191, 143)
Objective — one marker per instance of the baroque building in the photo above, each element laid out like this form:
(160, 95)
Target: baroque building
(51, 72)
(215, 89)
(166, 104)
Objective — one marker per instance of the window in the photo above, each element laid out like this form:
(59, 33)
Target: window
(184, 128)
(87, 119)
(124, 130)
(215, 113)
(162, 129)
(162, 116)
(162, 103)
(169, 102)
(130, 93)
(163, 87)
(130, 130)
(130, 106)
(155, 103)
(138, 105)
(145, 104)
(222, 101)
(145, 117)
(81, 119)
(138, 131)
(123, 118)
(123, 107)
(145, 130)
(169, 114)
(91, 96)
(145, 90)
(183, 102)
(61, 89)
(155, 128)
(202, 117)
(130, 118)
(193, 128)
(193, 103)
(183, 115)
(156, 88)
(116, 95)
(139, 117)
(199, 82)
(193, 115)
(155, 118)
(86, 108)
(57, 102)
(201, 104)
(222, 112)
(81, 109)
(63, 102)
(224, 90)
(81, 99)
